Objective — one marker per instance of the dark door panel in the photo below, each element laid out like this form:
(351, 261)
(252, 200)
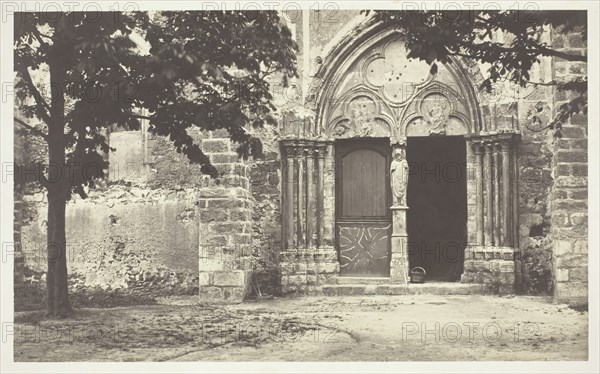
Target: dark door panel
(437, 197)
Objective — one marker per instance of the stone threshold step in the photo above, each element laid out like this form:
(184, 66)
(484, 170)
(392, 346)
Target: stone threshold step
(431, 288)
(363, 280)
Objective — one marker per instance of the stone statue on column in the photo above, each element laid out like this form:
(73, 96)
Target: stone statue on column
(399, 177)
(399, 181)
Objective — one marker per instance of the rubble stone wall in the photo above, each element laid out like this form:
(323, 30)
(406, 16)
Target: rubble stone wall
(570, 191)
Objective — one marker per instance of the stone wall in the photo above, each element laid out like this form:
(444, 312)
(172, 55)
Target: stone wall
(225, 209)
(265, 184)
(133, 239)
(570, 193)
(126, 239)
(534, 260)
(493, 268)
(155, 227)
(306, 272)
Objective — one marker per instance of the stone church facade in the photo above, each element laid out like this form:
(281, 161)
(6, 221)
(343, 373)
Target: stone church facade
(495, 203)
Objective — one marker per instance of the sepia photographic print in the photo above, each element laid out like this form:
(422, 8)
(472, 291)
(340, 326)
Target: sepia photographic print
(211, 186)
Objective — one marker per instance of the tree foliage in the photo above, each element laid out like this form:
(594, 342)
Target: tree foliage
(204, 69)
(201, 69)
(437, 35)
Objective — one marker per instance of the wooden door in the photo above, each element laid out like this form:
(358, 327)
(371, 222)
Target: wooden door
(363, 200)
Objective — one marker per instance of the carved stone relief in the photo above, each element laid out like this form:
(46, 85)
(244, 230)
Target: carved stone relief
(385, 93)
(376, 128)
(362, 113)
(436, 111)
(360, 117)
(538, 116)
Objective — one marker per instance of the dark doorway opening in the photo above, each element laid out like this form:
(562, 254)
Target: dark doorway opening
(437, 201)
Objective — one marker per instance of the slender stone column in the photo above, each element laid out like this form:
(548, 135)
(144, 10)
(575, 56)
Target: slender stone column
(310, 197)
(488, 225)
(329, 198)
(478, 180)
(289, 195)
(487, 118)
(515, 212)
(300, 234)
(515, 196)
(498, 210)
(320, 195)
(496, 183)
(506, 219)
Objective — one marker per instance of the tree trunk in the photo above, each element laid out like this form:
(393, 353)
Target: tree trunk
(57, 288)
(58, 189)
(58, 186)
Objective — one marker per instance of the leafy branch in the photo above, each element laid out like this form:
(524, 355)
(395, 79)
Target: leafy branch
(31, 129)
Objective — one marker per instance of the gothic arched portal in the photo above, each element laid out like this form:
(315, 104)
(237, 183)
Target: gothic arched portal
(370, 100)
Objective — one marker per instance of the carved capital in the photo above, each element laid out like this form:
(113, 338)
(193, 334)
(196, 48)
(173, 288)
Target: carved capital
(398, 141)
(287, 150)
(320, 152)
(477, 148)
(303, 148)
(499, 140)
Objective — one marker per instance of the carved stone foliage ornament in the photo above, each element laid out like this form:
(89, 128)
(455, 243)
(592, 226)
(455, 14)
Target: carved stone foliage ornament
(313, 90)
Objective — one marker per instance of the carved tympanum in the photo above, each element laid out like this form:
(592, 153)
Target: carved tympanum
(395, 73)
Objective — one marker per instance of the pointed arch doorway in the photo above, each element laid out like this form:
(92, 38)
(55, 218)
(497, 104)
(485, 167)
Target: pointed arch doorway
(368, 89)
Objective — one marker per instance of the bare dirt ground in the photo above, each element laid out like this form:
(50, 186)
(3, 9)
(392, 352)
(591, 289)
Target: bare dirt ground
(358, 328)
